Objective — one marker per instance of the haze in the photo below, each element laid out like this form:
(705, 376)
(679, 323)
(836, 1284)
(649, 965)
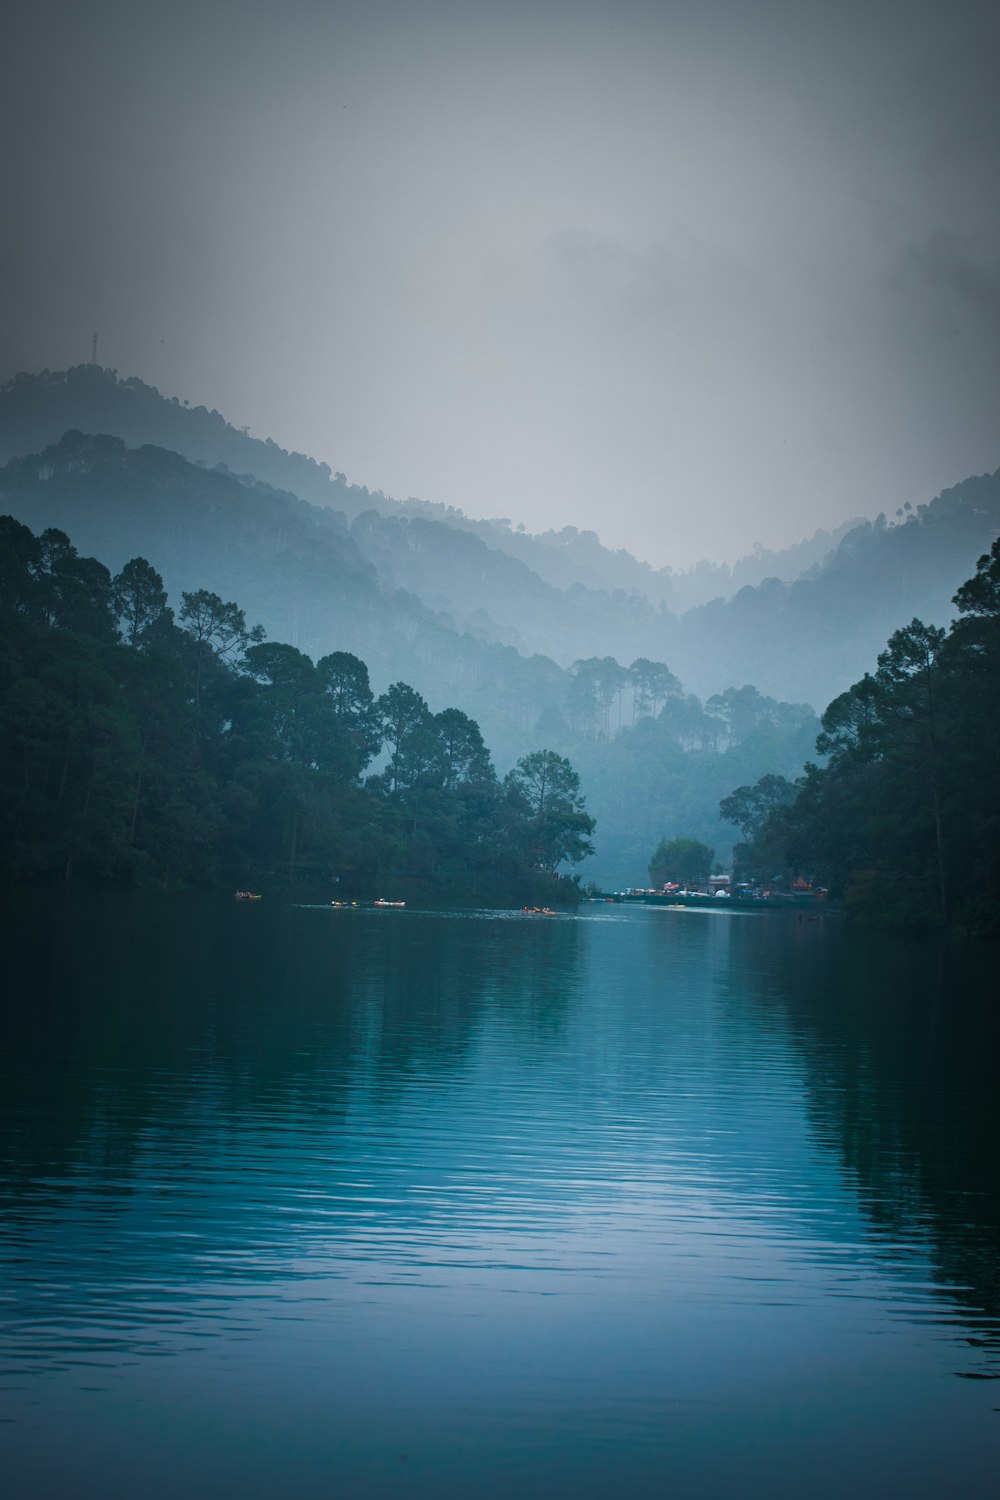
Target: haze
(691, 275)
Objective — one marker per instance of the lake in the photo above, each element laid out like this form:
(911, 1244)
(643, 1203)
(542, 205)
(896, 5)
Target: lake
(301, 1202)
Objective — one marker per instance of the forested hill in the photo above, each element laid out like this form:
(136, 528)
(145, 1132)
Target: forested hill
(464, 592)
(656, 757)
(571, 557)
(902, 820)
(294, 567)
(35, 410)
(137, 745)
(418, 600)
(812, 638)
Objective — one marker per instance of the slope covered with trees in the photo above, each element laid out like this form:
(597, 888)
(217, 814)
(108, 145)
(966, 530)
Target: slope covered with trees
(810, 639)
(801, 623)
(424, 597)
(665, 777)
(657, 760)
(35, 410)
(295, 567)
(903, 821)
(135, 746)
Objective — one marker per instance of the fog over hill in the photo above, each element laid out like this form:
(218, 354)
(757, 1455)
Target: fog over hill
(35, 410)
(801, 625)
(294, 567)
(547, 640)
(656, 758)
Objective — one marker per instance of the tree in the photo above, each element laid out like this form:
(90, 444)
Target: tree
(740, 709)
(979, 598)
(74, 592)
(749, 807)
(597, 683)
(20, 556)
(408, 728)
(344, 678)
(652, 684)
(686, 862)
(686, 722)
(466, 758)
(556, 824)
(910, 676)
(222, 627)
(139, 598)
(758, 811)
(886, 732)
(219, 632)
(971, 659)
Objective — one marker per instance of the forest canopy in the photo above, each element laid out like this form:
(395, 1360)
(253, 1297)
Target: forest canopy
(903, 820)
(138, 746)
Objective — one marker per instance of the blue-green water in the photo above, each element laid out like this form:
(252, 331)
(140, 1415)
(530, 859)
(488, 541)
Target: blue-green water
(310, 1203)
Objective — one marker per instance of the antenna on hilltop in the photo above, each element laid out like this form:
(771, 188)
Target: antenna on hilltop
(93, 350)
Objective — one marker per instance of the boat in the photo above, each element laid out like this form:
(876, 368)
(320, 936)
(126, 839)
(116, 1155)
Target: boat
(359, 905)
(538, 911)
(247, 896)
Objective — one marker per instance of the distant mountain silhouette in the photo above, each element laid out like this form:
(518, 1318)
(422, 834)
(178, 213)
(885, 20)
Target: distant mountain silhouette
(805, 623)
(812, 638)
(294, 567)
(309, 578)
(35, 410)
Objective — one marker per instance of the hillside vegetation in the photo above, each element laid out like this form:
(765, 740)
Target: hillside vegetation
(136, 745)
(35, 410)
(801, 624)
(652, 751)
(903, 820)
(513, 629)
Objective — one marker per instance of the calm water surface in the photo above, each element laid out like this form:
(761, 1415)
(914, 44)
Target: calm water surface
(297, 1202)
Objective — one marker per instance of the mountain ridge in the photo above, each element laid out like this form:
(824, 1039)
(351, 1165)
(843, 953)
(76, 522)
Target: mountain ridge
(36, 409)
(805, 639)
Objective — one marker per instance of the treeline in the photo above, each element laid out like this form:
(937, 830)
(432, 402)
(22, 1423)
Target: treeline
(811, 638)
(604, 699)
(36, 409)
(446, 603)
(295, 567)
(903, 820)
(302, 572)
(136, 746)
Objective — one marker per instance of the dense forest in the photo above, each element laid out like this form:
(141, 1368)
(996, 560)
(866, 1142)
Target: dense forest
(35, 410)
(903, 819)
(652, 754)
(665, 775)
(136, 746)
(801, 624)
(540, 640)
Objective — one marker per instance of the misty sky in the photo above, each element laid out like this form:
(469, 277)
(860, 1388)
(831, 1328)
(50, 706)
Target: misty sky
(694, 275)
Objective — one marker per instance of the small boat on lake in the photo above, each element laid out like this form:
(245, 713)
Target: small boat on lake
(247, 896)
(364, 905)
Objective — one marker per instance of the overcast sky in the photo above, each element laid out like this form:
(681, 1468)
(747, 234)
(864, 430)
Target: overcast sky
(694, 275)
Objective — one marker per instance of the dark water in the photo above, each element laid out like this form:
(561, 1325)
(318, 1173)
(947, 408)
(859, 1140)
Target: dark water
(308, 1203)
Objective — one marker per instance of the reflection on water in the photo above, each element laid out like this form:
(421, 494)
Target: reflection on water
(306, 1202)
